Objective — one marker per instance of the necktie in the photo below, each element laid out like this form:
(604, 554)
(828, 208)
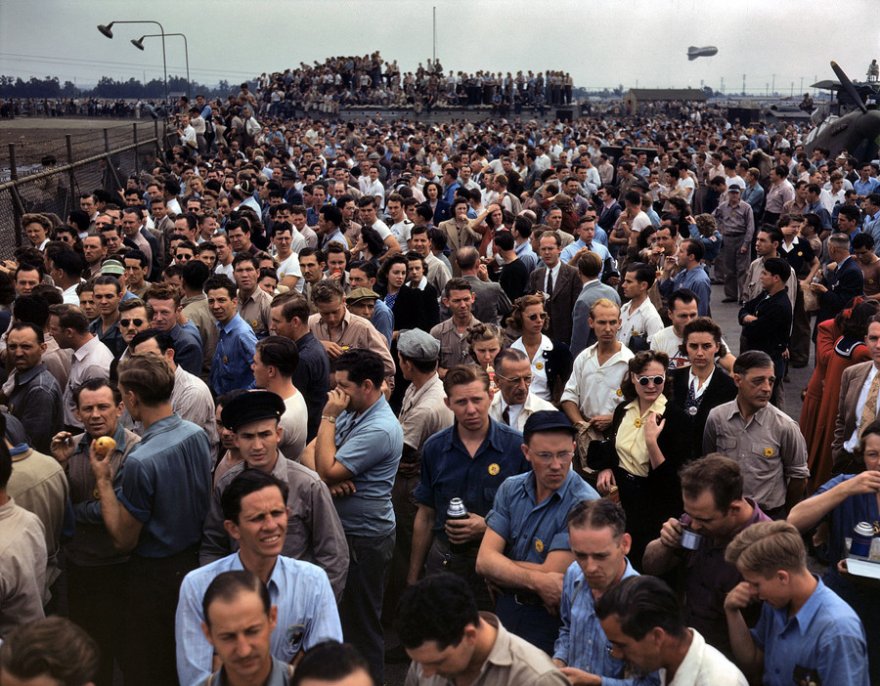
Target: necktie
(505, 415)
(549, 282)
(869, 411)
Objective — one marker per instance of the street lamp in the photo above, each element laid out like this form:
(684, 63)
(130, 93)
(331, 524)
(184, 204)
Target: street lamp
(107, 30)
(139, 44)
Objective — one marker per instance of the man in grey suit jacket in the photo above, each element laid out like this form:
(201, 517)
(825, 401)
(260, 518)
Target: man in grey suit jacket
(565, 287)
(589, 268)
(490, 301)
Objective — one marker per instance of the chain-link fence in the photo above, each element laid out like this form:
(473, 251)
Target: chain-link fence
(49, 175)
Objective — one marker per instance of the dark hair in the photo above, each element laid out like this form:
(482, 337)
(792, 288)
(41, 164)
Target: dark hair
(31, 308)
(716, 473)
(643, 273)
(598, 514)
(685, 295)
(53, 647)
(695, 248)
(194, 274)
(21, 326)
(247, 482)
(70, 317)
(108, 280)
(68, 261)
(96, 384)
(504, 240)
(862, 240)
(636, 365)
(590, 265)
(752, 359)
(163, 340)
(228, 585)
(279, 352)
(854, 323)
(332, 214)
(776, 266)
(362, 365)
(854, 214)
(464, 374)
(330, 661)
(292, 305)
(703, 325)
(642, 603)
(438, 608)
(456, 284)
(217, 282)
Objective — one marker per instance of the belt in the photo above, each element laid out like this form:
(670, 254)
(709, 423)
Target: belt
(524, 597)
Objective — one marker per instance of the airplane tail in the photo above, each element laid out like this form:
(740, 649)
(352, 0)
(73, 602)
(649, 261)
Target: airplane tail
(691, 50)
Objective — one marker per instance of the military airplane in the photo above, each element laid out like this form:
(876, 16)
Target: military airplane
(854, 127)
(695, 52)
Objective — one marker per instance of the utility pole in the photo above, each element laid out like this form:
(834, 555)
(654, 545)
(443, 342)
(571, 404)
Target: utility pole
(744, 84)
(802, 85)
(722, 84)
(774, 84)
(434, 42)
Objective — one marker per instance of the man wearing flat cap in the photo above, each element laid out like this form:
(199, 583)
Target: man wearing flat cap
(736, 222)
(423, 413)
(314, 532)
(525, 550)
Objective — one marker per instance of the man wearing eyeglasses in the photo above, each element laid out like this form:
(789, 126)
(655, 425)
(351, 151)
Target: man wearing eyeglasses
(514, 404)
(525, 550)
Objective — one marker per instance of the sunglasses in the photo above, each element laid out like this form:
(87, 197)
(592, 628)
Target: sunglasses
(535, 317)
(656, 380)
(127, 322)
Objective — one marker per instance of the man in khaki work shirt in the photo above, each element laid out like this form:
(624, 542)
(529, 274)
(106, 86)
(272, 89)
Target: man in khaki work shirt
(449, 641)
(458, 298)
(339, 330)
(254, 304)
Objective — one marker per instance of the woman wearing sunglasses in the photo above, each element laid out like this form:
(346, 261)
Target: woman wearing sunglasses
(650, 443)
(551, 360)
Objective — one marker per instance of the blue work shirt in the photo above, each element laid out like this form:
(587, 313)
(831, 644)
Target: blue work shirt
(696, 280)
(449, 471)
(531, 529)
(383, 320)
(231, 365)
(187, 348)
(166, 486)
(369, 445)
(307, 613)
(824, 639)
(582, 643)
(595, 247)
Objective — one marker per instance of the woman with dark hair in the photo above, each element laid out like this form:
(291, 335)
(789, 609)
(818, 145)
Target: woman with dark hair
(551, 360)
(434, 201)
(702, 385)
(840, 343)
(370, 246)
(650, 441)
(412, 308)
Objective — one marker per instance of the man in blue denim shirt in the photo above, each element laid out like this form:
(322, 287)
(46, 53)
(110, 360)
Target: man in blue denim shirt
(469, 460)
(599, 542)
(525, 549)
(231, 366)
(356, 453)
(806, 634)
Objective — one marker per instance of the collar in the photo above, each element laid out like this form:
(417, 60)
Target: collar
(30, 374)
(757, 417)
(658, 406)
(20, 452)
(86, 348)
(693, 377)
(808, 611)
(529, 485)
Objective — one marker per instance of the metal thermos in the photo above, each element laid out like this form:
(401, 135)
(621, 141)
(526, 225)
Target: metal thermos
(457, 510)
(863, 534)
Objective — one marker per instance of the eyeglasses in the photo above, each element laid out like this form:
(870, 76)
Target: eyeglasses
(537, 316)
(656, 380)
(516, 380)
(127, 322)
(564, 456)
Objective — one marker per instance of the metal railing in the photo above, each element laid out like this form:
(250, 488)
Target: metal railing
(48, 176)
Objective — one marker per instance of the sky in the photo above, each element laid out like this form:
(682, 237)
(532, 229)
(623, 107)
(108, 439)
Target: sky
(602, 43)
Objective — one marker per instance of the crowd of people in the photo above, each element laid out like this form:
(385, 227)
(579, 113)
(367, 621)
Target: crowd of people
(449, 394)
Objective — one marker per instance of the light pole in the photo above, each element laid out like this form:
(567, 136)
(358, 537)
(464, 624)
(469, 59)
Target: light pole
(139, 44)
(107, 30)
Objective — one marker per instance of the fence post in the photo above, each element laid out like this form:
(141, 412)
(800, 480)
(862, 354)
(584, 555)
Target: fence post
(16, 209)
(137, 169)
(70, 174)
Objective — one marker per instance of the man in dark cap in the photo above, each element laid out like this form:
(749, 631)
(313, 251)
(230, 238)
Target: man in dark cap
(314, 533)
(525, 550)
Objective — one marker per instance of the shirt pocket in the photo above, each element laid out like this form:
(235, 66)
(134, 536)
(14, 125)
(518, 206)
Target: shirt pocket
(765, 458)
(727, 445)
